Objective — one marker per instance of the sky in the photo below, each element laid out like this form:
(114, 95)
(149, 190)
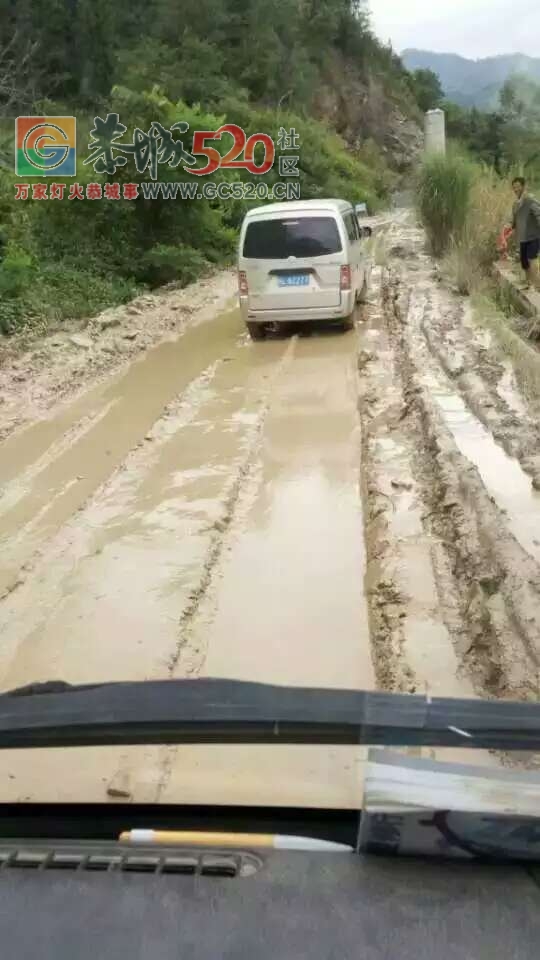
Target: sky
(472, 28)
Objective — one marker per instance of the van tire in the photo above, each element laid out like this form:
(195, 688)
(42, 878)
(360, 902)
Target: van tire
(347, 324)
(257, 331)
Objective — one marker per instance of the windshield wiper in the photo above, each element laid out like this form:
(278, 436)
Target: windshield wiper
(230, 711)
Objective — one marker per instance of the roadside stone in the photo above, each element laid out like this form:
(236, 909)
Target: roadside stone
(130, 335)
(455, 367)
(119, 786)
(401, 485)
(364, 357)
(106, 322)
(81, 340)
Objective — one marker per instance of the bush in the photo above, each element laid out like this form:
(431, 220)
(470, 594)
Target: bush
(444, 189)
(13, 313)
(16, 270)
(163, 264)
(63, 291)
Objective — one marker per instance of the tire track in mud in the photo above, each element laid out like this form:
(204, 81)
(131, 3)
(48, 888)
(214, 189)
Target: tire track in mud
(218, 421)
(379, 408)
(472, 365)
(133, 401)
(496, 609)
(238, 499)
(467, 351)
(411, 604)
(232, 507)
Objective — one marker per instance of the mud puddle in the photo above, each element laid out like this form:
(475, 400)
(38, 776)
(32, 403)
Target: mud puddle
(507, 386)
(507, 390)
(228, 543)
(124, 568)
(37, 372)
(288, 605)
(502, 475)
(132, 402)
(294, 576)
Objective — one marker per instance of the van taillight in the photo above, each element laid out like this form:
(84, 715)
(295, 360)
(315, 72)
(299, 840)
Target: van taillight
(242, 283)
(345, 281)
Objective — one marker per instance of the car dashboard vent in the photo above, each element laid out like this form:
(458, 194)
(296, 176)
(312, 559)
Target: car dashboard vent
(107, 858)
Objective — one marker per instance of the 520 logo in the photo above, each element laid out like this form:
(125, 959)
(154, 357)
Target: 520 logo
(241, 145)
(45, 146)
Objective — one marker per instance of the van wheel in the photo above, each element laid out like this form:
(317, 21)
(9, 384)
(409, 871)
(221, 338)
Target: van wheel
(257, 331)
(347, 324)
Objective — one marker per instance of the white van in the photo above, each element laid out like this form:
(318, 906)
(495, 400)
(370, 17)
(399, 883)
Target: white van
(301, 261)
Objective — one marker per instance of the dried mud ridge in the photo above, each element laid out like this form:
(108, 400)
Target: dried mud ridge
(488, 585)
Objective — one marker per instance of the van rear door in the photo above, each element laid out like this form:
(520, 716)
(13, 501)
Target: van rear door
(293, 262)
(355, 247)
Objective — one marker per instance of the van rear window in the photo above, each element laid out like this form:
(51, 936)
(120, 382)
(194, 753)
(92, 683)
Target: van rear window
(290, 237)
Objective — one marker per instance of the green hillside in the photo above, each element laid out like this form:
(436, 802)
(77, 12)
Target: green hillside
(314, 66)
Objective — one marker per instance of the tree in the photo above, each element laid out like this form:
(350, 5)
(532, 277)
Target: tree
(19, 80)
(426, 88)
(520, 111)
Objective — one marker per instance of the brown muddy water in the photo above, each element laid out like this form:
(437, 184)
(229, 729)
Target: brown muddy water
(198, 515)
(502, 475)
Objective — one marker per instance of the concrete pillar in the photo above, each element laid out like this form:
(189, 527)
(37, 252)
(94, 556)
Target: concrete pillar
(435, 132)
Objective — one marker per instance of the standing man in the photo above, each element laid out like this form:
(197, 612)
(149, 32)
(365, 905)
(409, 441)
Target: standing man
(526, 223)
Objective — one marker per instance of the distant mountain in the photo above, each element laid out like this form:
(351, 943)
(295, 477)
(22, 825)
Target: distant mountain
(472, 83)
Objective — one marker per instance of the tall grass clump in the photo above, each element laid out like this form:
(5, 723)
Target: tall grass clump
(468, 262)
(444, 189)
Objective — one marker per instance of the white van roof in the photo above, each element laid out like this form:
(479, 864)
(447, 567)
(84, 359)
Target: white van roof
(293, 207)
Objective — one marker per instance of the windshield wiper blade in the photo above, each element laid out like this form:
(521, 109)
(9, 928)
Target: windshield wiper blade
(230, 711)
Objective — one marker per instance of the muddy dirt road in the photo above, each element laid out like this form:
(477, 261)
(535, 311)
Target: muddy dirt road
(197, 516)
(349, 510)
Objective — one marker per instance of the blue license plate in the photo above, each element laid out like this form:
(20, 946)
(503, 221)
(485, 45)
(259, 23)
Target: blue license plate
(294, 280)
